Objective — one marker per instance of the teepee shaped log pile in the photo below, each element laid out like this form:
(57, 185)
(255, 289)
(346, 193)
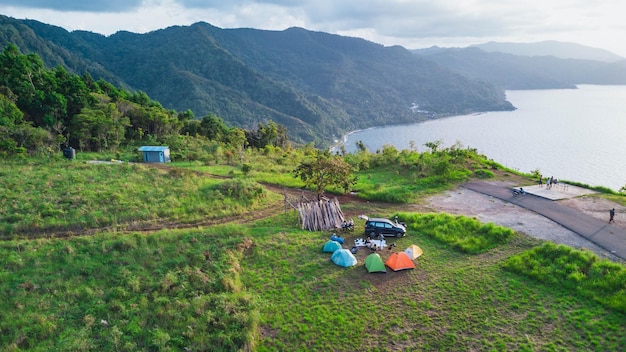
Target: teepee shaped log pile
(320, 215)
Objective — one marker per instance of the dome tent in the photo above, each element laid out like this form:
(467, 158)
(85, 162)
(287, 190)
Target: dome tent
(374, 264)
(343, 257)
(331, 246)
(399, 261)
(413, 251)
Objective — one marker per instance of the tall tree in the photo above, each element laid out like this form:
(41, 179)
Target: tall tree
(214, 128)
(237, 140)
(325, 170)
(270, 134)
(99, 128)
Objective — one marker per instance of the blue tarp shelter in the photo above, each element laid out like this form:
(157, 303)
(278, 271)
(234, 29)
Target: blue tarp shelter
(334, 237)
(155, 154)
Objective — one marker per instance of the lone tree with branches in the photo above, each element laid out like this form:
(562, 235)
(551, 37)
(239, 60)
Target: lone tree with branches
(325, 170)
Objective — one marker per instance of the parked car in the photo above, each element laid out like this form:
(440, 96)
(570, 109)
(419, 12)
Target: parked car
(374, 227)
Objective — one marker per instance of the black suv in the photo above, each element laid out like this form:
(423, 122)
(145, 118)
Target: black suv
(374, 227)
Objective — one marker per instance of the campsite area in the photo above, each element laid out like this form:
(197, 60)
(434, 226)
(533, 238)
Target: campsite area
(226, 266)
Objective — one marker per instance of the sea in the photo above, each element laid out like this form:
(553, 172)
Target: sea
(570, 134)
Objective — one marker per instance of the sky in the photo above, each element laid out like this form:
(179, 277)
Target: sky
(410, 23)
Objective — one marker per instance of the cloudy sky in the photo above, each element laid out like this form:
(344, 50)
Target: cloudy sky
(410, 23)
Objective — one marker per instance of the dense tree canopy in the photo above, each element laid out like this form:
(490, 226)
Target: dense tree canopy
(42, 109)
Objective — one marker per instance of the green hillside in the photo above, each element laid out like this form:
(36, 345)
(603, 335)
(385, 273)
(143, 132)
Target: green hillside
(103, 252)
(317, 85)
(134, 257)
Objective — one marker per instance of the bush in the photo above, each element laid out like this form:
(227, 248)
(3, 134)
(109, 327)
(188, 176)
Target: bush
(465, 234)
(579, 271)
(483, 173)
(241, 189)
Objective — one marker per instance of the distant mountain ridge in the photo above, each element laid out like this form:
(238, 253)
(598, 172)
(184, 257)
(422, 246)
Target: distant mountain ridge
(532, 65)
(317, 84)
(561, 50)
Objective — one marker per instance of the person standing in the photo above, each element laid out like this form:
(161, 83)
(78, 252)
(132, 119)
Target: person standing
(612, 216)
(550, 182)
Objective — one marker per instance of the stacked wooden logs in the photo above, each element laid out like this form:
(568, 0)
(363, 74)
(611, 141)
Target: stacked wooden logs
(320, 215)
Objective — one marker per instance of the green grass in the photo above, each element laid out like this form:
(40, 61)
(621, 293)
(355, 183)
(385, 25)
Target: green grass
(220, 170)
(133, 292)
(451, 301)
(578, 271)
(270, 288)
(380, 184)
(266, 285)
(465, 234)
(41, 195)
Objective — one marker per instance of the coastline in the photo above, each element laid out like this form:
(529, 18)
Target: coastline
(551, 131)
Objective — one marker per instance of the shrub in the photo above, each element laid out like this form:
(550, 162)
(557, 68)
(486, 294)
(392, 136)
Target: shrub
(483, 173)
(579, 271)
(241, 189)
(465, 234)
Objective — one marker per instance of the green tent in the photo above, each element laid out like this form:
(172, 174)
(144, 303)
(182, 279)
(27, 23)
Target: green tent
(374, 264)
(331, 246)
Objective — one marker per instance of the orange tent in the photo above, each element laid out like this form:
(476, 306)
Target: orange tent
(399, 261)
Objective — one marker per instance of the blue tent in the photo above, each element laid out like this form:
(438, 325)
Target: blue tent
(343, 257)
(331, 246)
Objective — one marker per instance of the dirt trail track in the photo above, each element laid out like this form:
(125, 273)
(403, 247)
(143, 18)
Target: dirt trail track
(461, 201)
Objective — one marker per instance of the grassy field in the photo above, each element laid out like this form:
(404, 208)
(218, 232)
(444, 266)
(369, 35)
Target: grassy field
(257, 282)
(451, 301)
(269, 287)
(130, 292)
(45, 196)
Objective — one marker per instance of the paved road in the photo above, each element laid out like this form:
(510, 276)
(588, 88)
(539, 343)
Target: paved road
(605, 235)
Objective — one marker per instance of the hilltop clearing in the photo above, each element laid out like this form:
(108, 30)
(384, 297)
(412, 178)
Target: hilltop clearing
(466, 202)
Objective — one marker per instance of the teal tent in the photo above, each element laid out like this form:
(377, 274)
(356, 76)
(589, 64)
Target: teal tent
(331, 246)
(343, 257)
(374, 264)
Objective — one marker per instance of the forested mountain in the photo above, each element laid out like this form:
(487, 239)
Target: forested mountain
(316, 84)
(511, 71)
(42, 109)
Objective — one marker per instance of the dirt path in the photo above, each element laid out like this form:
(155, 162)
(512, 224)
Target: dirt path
(460, 201)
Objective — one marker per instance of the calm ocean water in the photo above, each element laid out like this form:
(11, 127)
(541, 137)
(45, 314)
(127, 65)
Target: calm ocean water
(571, 134)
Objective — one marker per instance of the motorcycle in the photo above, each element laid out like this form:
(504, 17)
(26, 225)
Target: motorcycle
(520, 191)
(347, 226)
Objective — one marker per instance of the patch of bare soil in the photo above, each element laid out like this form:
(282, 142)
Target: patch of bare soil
(462, 201)
(598, 208)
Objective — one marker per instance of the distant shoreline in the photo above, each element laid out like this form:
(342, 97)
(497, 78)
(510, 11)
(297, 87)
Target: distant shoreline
(559, 136)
